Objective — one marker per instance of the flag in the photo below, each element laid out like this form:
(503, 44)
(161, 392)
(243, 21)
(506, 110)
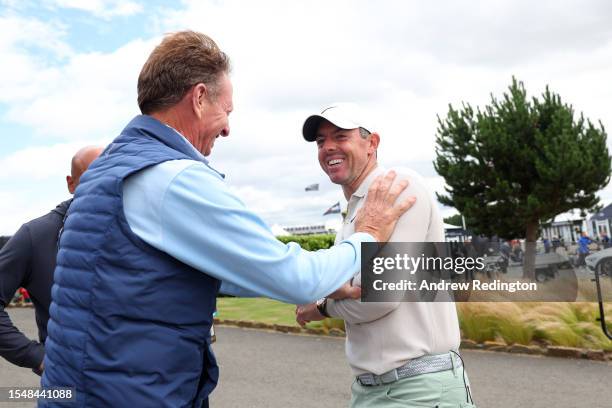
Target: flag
(334, 209)
(312, 187)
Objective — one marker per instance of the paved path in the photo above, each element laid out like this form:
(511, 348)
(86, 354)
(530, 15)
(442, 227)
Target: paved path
(268, 370)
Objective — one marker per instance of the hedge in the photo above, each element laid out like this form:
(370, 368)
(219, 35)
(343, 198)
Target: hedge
(310, 242)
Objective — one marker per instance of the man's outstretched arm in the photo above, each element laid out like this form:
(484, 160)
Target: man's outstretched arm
(202, 223)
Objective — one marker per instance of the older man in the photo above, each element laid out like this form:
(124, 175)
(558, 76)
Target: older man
(402, 354)
(28, 260)
(159, 230)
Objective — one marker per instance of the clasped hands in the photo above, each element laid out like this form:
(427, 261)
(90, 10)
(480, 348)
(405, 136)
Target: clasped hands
(309, 313)
(378, 217)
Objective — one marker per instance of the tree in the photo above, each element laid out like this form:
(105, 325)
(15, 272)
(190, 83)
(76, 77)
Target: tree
(454, 219)
(519, 162)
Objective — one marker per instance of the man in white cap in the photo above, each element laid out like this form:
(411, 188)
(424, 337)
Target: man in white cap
(402, 354)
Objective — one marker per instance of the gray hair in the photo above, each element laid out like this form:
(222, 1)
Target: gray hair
(364, 133)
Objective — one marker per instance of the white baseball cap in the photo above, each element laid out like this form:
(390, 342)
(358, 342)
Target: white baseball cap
(343, 115)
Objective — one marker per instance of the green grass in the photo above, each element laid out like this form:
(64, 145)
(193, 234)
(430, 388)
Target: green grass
(256, 310)
(266, 311)
(562, 324)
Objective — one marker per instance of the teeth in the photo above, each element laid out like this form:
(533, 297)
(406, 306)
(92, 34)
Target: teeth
(335, 161)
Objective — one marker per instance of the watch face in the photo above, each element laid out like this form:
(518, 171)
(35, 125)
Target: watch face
(321, 301)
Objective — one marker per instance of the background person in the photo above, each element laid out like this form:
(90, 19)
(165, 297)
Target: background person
(605, 240)
(583, 248)
(27, 261)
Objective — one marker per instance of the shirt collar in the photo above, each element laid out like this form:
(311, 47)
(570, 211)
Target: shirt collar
(184, 139)
(365, 184)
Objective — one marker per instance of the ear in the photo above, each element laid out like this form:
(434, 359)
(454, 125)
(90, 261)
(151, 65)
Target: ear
(374, 141)
(70, 184)
(199, 97)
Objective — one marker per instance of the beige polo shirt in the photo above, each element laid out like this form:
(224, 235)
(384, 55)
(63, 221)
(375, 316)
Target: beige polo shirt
(383, 336)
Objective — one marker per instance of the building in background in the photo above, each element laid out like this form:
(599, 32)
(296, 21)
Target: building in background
(309, 229)
(566, 227)
(601, 223)
(454, 233)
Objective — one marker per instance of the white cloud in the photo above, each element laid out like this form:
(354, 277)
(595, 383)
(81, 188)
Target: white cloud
(43, 163)
(605, 195)
(34, 181)
(19, 32)
(105, 9)
(27, 46)
(398, 59)
(21, 204)
(93, 94)
(402, 61)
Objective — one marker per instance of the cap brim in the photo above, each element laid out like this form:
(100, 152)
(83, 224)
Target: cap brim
(311, 125)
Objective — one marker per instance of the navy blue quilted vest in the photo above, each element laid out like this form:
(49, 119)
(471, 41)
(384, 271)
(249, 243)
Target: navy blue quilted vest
(129, 324)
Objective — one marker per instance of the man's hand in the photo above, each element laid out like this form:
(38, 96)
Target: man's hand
(39, 370)
(380, 213)
(307, 313)
(346, 291)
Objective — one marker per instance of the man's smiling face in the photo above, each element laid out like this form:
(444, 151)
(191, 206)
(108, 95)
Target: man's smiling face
(214, 120)
(343, 154)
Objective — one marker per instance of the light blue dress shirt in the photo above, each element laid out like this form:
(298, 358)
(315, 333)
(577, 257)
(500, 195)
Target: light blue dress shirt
(185, 208)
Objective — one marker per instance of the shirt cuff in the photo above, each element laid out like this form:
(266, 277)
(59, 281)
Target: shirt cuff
(361, 237)
(36, 355)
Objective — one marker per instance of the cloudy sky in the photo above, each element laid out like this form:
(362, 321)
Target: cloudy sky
(69, 67)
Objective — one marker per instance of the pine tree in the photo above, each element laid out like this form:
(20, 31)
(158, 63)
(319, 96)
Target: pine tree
(519, 162)
(454, 220)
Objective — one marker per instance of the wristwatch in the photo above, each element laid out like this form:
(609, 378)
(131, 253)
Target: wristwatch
(322, 307)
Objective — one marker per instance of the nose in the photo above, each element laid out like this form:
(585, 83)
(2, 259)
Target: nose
(328, 144)
(225, 131)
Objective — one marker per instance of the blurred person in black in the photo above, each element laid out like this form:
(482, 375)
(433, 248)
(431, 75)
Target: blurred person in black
(28, 260)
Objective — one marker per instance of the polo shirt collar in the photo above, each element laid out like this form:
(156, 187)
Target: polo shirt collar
(365, 184)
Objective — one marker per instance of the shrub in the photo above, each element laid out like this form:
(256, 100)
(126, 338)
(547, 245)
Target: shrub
(310, 242)
(494, 321)
(561, 324)
(333, 324)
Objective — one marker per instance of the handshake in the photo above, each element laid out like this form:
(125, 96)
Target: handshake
(316, 311)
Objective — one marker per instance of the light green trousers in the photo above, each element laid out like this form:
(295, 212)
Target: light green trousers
(444, 389)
